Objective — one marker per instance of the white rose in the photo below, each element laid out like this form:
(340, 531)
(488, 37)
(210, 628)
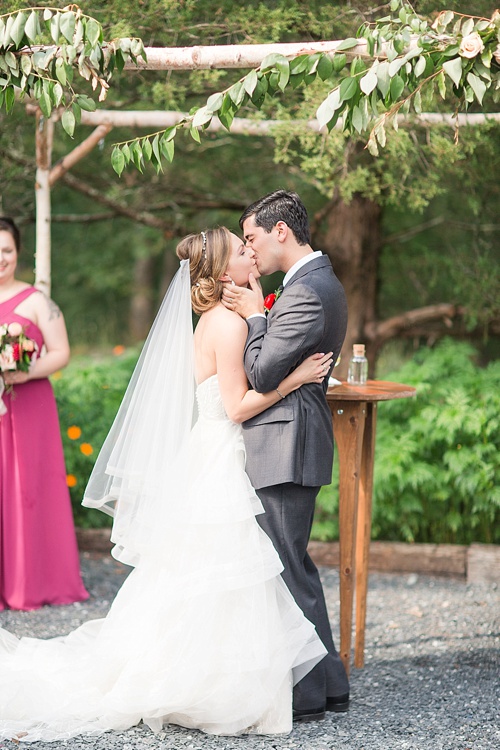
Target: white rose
(496, 54)
(7, 361)
(471, 45)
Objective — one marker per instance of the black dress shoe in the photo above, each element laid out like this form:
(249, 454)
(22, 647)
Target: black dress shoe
(338, 703)
(309, 714)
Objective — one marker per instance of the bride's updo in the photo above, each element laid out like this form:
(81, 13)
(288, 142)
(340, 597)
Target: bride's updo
(208, 254)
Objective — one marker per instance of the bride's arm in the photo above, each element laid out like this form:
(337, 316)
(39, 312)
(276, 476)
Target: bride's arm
(241, 403)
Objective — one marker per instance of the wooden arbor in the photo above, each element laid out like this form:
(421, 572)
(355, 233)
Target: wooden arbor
(181, 58)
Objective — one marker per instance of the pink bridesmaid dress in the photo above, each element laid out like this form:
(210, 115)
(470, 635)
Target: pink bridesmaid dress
(38, 553)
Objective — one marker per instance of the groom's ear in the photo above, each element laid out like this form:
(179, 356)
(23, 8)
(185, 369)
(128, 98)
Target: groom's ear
(281, 230)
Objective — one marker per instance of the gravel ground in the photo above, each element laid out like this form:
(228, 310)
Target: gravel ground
(431, 680)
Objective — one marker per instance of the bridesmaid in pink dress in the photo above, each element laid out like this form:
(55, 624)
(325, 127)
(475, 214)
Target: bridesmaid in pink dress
(38, 552)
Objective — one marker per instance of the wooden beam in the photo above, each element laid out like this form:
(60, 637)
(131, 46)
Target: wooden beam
(44, 135)
(78, 153)
(237, 55)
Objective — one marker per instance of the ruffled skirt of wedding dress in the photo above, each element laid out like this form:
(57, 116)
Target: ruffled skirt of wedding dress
(203, 633)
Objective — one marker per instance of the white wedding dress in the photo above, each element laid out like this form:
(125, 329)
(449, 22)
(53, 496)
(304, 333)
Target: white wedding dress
(203, 633)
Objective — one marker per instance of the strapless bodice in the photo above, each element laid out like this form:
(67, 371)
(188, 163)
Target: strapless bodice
(209, 399)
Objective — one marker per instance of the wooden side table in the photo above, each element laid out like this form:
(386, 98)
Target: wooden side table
(354, 416)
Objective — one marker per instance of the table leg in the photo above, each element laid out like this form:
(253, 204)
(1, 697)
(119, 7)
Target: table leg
(348, 426)
(363, 531)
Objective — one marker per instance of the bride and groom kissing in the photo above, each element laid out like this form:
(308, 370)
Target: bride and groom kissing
(223, 619)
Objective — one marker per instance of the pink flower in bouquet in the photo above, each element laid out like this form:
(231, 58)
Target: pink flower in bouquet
(28, 346)
(15, 329)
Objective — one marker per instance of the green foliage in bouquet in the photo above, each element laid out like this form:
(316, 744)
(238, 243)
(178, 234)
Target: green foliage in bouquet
(88, 395)
(437, 456)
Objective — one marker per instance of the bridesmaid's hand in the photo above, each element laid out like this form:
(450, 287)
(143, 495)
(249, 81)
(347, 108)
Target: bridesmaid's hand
(14, 377)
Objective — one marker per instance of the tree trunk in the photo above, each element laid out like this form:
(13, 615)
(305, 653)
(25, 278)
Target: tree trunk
(141, 304)
(350, 234)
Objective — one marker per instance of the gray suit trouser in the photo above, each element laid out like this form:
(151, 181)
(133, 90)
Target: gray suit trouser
(288, 521)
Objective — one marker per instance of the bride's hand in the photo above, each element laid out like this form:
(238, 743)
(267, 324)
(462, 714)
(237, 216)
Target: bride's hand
(315, 368)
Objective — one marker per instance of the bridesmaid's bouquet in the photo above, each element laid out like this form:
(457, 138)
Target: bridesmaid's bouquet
(16, 353)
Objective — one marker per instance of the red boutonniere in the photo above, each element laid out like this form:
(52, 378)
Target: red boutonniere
(271, 299)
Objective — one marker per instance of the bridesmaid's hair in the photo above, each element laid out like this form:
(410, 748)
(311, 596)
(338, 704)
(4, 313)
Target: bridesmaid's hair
(208, 254)
(8, 225)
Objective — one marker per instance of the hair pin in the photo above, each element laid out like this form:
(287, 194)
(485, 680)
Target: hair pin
(204, 246)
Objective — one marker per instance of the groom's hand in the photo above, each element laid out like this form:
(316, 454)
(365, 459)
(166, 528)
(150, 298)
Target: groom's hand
(242, 300)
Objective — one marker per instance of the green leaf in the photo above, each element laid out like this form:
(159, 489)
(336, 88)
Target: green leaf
(77, 112)
(68, 122)
(85, 102)
(347, 44)
(419, 66)
(195, 135)
(327, 109)
(441, 85)
(61, 71)
(417, 102)
(117, 161)
(272, 61)
(357, 119)
(156, 147)
(167, 148)
(92, 31)
(170, 133)
(383, 80)
(32, 28)
(202, 116)
(348, 87)
(299, 64)
(214, 102)
(26, 65)
(54, 27)
(453, 68)
(45, 104)
(57, 94)
(325, 67)
(397, 86)
(67, 25)
(226, 118)
(250, 82)
(17, 30)
(237, 93)
(478, 86)
(9, 98)
(147, 149)
(283, 68)
(339, 62)
(136, 153)
(368, 82)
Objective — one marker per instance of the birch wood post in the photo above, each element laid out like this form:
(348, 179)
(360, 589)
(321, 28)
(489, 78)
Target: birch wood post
(44, 135)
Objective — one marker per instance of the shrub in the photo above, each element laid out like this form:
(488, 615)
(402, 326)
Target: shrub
(437, 455)
(88, 395)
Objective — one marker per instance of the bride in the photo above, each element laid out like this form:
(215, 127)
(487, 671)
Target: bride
(203, 633)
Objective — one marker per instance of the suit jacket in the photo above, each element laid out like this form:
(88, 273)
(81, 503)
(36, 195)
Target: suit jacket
(292, 441)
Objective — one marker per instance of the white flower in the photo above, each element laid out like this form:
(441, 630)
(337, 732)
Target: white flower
(496, 53)
(471, 45)
(7, 361)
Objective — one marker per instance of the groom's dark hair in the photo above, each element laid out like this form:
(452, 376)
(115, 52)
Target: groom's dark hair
(280, 206)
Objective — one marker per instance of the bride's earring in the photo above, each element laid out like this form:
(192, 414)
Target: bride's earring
(227, 278)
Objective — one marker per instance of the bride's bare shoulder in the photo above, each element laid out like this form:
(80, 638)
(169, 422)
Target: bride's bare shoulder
(228, 321)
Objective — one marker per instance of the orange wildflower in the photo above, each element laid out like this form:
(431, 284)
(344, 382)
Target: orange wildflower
(71, 480)
(74, 432)
(118, 349)
(86, 449)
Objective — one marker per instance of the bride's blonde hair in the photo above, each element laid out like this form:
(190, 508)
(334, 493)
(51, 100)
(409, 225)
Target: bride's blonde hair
(208, 254)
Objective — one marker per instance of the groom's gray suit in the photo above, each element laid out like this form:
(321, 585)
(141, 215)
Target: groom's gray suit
(290, 445)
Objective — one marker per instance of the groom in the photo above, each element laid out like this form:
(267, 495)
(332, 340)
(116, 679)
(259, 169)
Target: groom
(290, 445)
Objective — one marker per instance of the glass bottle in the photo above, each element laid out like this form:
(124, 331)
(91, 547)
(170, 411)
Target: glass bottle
(358, 366)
